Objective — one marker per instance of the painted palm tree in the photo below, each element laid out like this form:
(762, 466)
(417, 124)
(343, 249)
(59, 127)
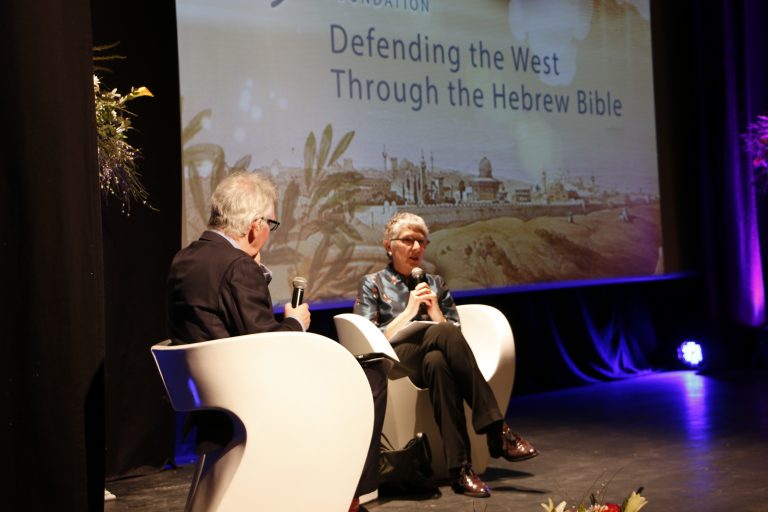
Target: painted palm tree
(205, 164)
(327, 206)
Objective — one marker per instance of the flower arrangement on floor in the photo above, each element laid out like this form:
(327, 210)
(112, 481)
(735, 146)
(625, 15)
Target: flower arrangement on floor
(632, 503)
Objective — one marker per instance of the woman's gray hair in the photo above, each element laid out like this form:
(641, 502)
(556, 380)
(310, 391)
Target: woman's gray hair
(404, 220)
(238, 199)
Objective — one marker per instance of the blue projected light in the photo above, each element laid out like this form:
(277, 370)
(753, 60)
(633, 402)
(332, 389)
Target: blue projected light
(193, 389)
(689, 352)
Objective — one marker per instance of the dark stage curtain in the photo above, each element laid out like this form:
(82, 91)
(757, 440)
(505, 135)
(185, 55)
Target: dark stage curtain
(756, 101)
(52, 277)
(138, 249)
(709, 66)
(575, 336)
(728, 60)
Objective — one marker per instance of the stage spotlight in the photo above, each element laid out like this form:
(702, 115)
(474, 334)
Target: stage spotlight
(689, 353)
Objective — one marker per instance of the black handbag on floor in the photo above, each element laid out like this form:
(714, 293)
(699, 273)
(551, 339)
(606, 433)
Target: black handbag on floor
(408, 471)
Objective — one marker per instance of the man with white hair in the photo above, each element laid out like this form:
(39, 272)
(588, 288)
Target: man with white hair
(218, 288)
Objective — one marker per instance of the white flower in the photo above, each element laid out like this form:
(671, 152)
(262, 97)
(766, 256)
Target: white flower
(550, 507)
(634, 503)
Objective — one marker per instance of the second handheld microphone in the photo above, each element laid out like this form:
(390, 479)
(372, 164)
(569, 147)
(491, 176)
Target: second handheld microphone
(299, 285)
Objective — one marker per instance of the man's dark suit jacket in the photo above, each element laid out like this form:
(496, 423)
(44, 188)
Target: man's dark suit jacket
(217, 291)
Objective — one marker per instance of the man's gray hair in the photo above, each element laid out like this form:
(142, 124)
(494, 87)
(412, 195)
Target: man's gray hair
(404, 220)
(238, 200)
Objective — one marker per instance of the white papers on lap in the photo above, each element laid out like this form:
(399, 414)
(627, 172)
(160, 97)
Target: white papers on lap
(394, 369)
(410, 330)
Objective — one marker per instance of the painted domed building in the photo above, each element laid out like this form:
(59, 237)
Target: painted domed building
(485, 187)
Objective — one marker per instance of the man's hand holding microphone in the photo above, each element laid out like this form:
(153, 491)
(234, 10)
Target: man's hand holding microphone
(297, 308)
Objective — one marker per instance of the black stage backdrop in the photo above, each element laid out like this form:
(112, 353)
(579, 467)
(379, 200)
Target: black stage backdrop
(138, 248)
(52, 277)
(62, 305)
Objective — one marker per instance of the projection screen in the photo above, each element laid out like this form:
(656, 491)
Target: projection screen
(522, 131)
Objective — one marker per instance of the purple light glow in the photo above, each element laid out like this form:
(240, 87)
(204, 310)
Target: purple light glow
(750, 293)
(751, 310)
(757, 286)
(698, 418)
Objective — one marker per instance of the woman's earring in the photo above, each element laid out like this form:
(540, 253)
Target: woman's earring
(389, 254)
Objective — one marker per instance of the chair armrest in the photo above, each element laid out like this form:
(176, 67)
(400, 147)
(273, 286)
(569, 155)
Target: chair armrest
(489, 335)
(360, 336)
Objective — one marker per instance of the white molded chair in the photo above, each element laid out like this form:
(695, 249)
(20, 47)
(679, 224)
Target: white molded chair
(409, 409)
(303, 416)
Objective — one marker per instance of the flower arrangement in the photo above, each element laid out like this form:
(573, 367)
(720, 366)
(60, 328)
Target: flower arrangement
(632, 503)
(756, 142)
(118, 170)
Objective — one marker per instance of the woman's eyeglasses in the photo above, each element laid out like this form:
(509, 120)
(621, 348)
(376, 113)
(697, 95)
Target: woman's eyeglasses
(408, 241)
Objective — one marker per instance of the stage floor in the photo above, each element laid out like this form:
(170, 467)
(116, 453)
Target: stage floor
(693, 442)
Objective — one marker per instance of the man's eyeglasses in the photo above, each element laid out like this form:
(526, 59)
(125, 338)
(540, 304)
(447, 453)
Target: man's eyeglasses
(272, 223)
(408, 241)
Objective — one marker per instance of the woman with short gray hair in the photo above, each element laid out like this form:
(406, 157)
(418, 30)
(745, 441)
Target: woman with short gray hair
(439, 356)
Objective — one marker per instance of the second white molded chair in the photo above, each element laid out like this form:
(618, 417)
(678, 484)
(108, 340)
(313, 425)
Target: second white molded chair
(409, 409)
(303, 416)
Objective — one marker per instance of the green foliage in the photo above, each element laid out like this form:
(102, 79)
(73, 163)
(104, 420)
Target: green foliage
(310, 148)
(194, 126)
(334, 190)
(194, 157)
(329, 200)
(289, 201)
(321, 210)
(208, 156)
(341, 147)
(325, 147)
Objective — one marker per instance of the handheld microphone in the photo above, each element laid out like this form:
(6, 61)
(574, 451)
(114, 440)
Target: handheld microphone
(417, 276)
(299, 285)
